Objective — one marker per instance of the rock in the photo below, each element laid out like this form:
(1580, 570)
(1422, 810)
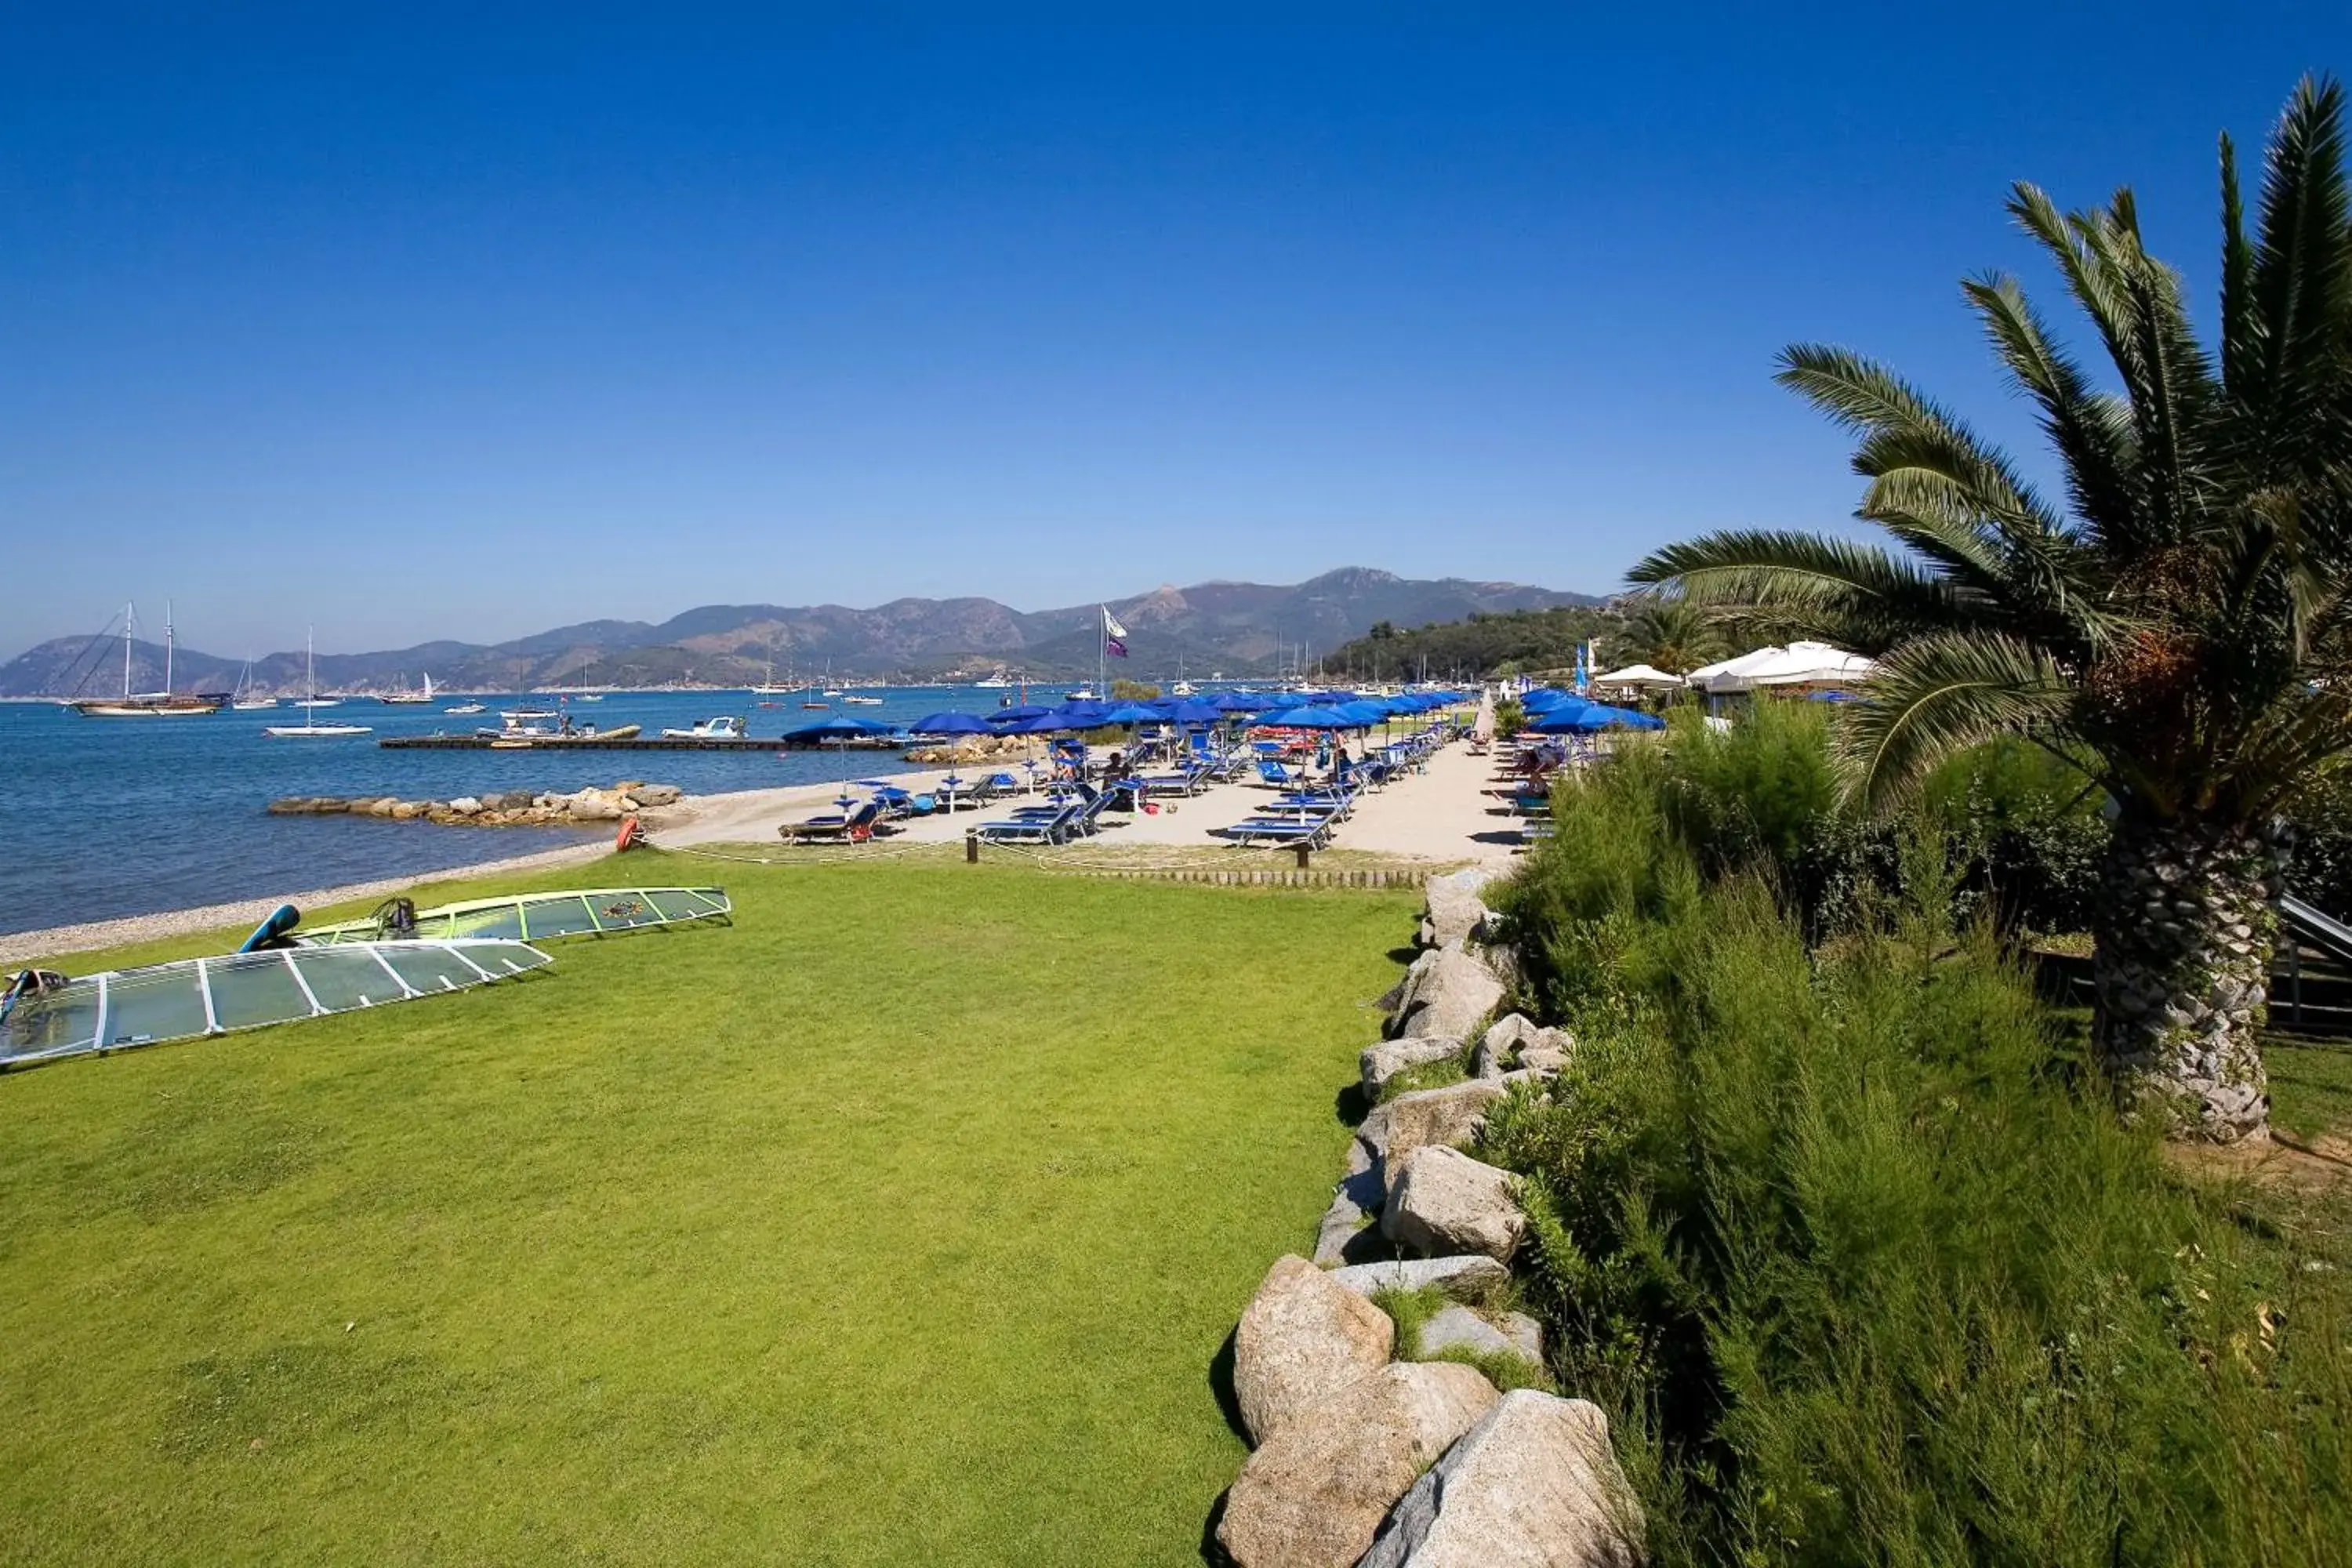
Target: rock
(1441, 1201)
(1507, 1042)
(1455, 912)
(1525, 1335)
(1398, 996)
(465, 806)
(656, 794)
(1378, 1064)
(1449, 1115)
(1533, 1484)
(1453, 997)
(1314, 1495)
(1302, 1339)
(1356, 1199)
(1546, 1060)
(592, 809)
(1458, 1328)
(384, 807)
(1465, 1277)
(407, 811)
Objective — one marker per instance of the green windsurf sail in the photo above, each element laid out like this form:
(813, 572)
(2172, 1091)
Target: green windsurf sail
(531, 917)
(44, 1017)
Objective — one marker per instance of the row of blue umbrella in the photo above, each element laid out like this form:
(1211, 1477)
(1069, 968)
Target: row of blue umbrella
(1552, 712)
(1344, 710)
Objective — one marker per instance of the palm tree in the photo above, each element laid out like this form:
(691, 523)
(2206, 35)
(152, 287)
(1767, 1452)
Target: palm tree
(2181, 627)
(1675, 635)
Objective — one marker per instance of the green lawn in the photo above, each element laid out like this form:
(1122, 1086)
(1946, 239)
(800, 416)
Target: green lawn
(900, 1223)
(2311, 1086)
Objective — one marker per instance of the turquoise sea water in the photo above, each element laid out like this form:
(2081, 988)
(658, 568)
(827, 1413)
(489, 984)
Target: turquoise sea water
(105, 817)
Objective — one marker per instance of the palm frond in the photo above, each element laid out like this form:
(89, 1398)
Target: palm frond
(2098, 450)
(2295, 385)
(1856, 595)
(1937, 695)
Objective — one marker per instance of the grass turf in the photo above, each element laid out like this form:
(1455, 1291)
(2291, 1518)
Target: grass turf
(900, 1221)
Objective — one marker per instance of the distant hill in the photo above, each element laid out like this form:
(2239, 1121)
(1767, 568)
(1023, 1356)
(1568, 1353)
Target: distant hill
(1238, 629)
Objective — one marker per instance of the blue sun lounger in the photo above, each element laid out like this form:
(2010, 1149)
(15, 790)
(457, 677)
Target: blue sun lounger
(1257, 830)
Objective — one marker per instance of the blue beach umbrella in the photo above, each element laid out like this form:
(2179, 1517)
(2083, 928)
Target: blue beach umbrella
(1012, 715)
(1190, 710)
(1310, 717)
(950, 724)
(1040, 723)
(1132, 713)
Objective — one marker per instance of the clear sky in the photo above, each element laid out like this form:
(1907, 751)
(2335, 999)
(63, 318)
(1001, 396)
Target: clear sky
(419, 324)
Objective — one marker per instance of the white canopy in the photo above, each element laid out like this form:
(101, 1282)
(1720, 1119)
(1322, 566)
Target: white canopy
(1799, 664)
(1637, 674)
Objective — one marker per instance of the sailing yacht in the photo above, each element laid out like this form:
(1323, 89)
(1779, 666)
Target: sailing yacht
(164, 704)
(406, 698)
(310, 728)
(243, 700)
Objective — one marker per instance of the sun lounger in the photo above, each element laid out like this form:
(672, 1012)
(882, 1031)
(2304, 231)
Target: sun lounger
(1055, 828)
(1259, 830)
(836, 827)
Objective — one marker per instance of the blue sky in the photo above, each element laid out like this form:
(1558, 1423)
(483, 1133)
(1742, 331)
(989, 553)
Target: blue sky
(420, 325)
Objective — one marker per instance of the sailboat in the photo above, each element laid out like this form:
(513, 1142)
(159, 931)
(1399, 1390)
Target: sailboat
(310, 728)
(244, 700)
(404, 698)
(164, 704)
(1182, 688)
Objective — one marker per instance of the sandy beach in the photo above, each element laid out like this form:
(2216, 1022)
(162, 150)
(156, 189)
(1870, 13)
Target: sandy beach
(1441, 815)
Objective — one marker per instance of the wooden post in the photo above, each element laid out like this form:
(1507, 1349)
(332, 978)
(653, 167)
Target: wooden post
(1302, 855)
(971, 846)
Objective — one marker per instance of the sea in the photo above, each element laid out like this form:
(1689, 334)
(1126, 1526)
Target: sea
(107, 817)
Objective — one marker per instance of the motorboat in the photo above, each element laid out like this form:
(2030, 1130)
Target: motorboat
(862, 702)
(723, 727)
(466, 707)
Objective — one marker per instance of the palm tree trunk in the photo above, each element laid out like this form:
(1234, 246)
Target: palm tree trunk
(2186, 920)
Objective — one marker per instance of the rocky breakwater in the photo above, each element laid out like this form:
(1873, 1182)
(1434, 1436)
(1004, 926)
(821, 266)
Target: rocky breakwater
(1373, 1447)
(976, 748)
(508, 808)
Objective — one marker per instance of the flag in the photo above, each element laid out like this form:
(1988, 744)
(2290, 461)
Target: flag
(1583, 668)
(1114, 635)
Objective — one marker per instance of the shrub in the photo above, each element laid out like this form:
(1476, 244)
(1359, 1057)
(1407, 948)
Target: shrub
(1861, 1276)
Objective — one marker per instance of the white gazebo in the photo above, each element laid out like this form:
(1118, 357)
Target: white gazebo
(1637, 674)
(1799, 664)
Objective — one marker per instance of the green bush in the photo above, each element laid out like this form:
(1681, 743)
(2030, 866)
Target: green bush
(2021, 835)
(1861, 1275)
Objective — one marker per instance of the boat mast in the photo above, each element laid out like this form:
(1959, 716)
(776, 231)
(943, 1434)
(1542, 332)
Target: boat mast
(167, 648)
(129, 621)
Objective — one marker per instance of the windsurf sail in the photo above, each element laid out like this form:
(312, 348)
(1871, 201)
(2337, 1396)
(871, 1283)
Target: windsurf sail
(45, 1016)
(535, 917)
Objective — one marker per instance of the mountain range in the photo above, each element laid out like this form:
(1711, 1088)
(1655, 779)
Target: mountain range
(1234, 628)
